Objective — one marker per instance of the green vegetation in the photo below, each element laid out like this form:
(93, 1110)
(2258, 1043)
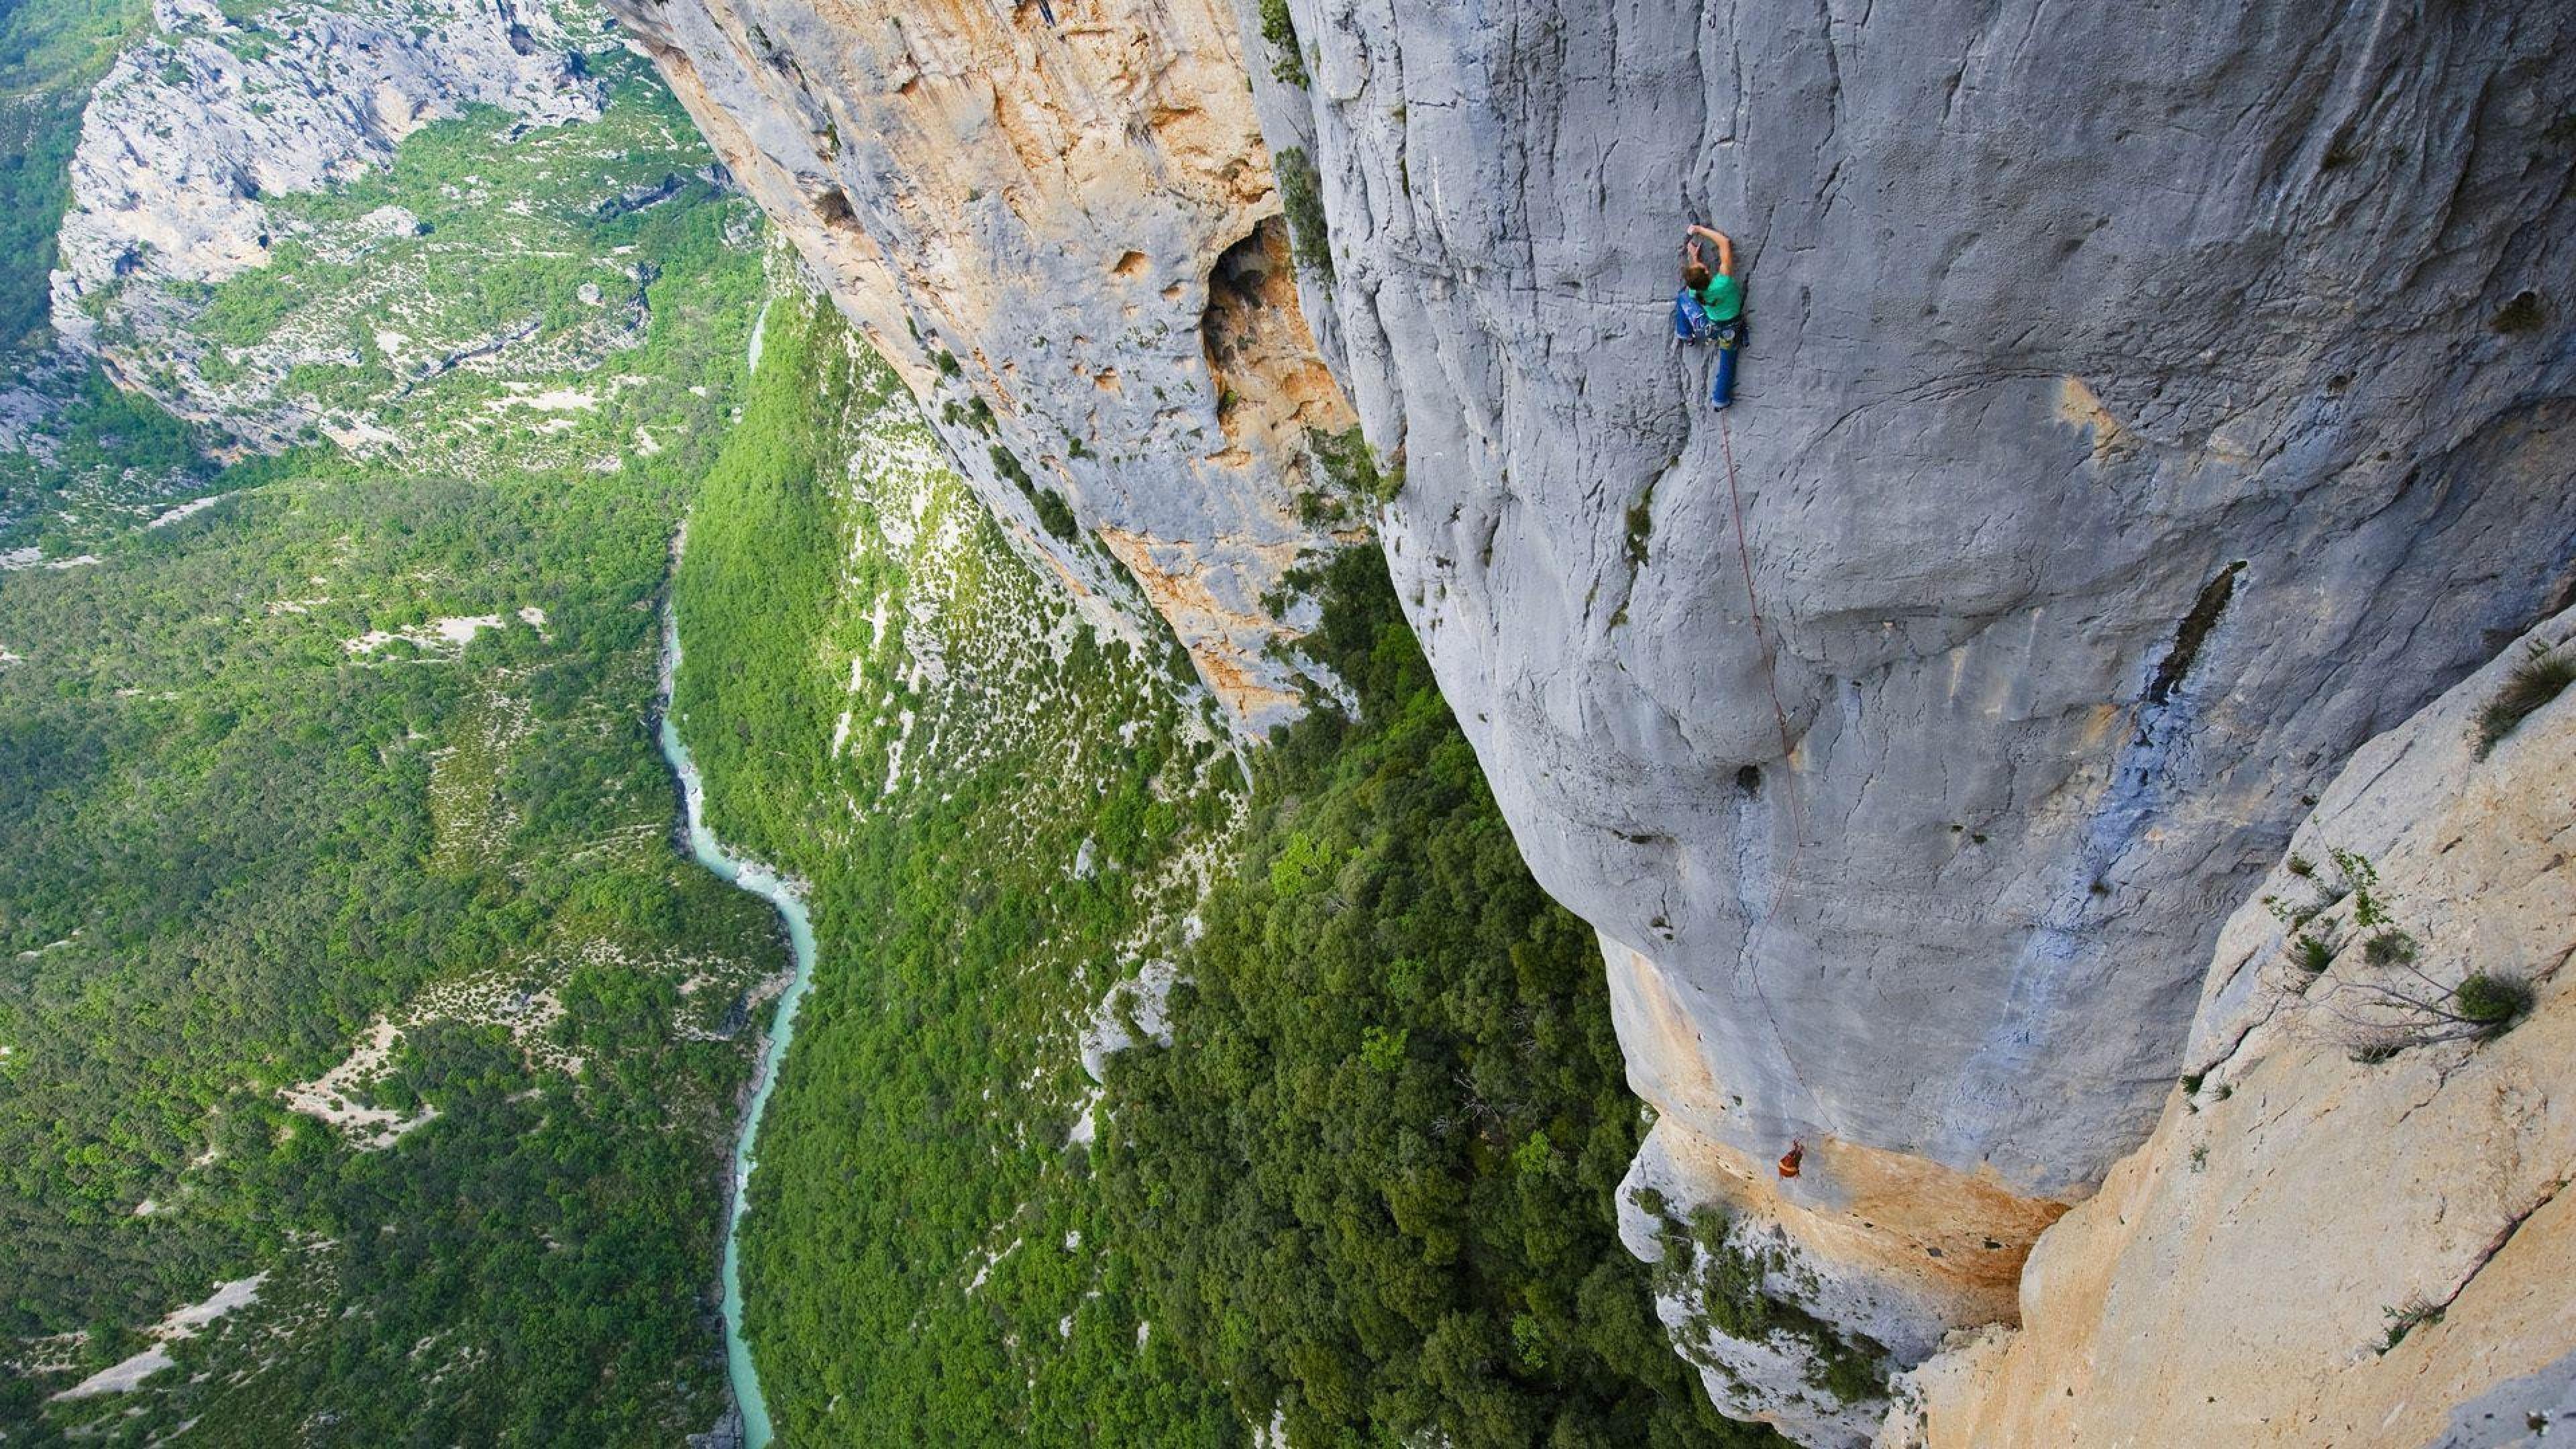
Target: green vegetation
(1641, 528)
(2397, 1004)
(1288, 59)
(885, 700)
(50, 53)
(258, 804)
(2494, 1002)
(1733, 1283)
(1367, 1187)
(1370, 1184)
(1301, 196)
(2312, 953)
(2405, 1320)
(2537, 678)
(1350, 470)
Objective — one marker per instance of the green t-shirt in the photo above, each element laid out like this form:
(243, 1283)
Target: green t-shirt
(1722, 299)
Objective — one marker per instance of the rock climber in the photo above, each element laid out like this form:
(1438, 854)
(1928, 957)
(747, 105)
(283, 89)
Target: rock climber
(1710, 307)
(1797, 1152)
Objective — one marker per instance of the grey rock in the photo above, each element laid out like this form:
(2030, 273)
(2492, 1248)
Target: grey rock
(195, 126)
(2140, 411)
(2351, 1224)
(2142, 408)
(1066, 238)
(2061, 325)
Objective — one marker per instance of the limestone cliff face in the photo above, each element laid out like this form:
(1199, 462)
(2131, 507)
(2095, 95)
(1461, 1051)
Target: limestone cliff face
(2351, 1225)
(2142, 409)
(1063, 231)
(197, 126)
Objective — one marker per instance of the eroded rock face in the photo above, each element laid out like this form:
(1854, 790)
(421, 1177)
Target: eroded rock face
(195, 126)
(1063, 231)
(2140, 411)
(2351, 1224)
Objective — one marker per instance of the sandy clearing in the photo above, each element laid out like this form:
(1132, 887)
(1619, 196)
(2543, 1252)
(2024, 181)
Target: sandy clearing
(33, 557)
(188, 509)
(120, 1377)
(453, 633)
(327, 1096)
(553, 400)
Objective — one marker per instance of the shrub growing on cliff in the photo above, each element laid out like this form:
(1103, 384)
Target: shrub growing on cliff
(2402, 1321)
(1301, 197)
(2493, 1002)
(1288, 66)
(2312, 954)
(2541, 677)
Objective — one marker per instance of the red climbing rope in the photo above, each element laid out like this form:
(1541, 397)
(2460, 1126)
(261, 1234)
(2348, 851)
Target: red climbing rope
(1788, 780)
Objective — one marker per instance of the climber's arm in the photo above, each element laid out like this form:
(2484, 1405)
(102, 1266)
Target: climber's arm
(1725, 248)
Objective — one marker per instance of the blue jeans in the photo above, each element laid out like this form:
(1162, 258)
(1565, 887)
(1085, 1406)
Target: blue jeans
(1691, 324)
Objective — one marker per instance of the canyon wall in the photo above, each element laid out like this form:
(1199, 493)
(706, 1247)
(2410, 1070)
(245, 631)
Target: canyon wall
(202, 124)
(2351, 1225)
(2141, 409)
(1061, 228)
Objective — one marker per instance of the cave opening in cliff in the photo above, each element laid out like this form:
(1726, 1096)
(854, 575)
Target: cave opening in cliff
(1261, 359)
(832, 204)
(1251, 282)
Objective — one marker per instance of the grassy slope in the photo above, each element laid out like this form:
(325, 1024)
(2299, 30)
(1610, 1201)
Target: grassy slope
(918, 1130)
(1369, 1188)
(232, 843)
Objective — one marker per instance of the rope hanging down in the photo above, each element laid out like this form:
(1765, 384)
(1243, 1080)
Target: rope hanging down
(1770, 665)
(1788, 781)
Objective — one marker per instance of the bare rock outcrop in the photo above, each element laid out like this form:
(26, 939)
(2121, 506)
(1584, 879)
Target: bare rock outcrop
(1060, 225)
(2351, 1225)
(198, 125)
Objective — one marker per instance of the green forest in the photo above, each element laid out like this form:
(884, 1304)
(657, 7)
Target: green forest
(349, 960)
(1369, 1185)
(259, 804)
(1367, 1188)
(50, 53)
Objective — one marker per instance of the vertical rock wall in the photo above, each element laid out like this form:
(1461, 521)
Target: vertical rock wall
(2144, 405)
(2351, 1225)
(1059, 224)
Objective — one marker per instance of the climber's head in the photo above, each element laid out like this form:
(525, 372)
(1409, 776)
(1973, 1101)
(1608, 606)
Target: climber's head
(1694, 274)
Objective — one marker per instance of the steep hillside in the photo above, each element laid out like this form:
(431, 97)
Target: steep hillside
(1066, 238)
(367, 1056)
(1136, 1101)
(2351, 1224)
